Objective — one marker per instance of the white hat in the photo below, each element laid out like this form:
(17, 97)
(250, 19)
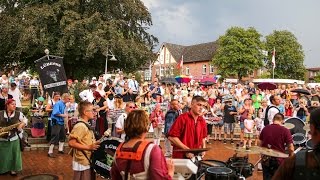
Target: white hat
(94, 78)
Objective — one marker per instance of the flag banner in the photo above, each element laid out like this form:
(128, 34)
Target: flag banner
(52, 74)
(180, 64)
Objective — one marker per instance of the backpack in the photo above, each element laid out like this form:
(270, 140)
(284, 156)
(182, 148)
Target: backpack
(266, 120)
(170, 117)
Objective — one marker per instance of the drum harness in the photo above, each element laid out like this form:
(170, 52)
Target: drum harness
(136, 154)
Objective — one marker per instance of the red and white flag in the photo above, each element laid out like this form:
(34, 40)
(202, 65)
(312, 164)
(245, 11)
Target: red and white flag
(180, 64)
(273, 60)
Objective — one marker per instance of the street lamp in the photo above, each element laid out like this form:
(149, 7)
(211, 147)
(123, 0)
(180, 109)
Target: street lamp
(113, 58)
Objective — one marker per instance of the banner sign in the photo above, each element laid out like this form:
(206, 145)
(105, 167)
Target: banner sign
(52, 74)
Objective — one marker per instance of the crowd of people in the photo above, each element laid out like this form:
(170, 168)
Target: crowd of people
(186, 115)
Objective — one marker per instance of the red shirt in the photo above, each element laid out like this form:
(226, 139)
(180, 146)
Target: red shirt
(288, 111)
(190, 133)
(157, 168)
(275, 136)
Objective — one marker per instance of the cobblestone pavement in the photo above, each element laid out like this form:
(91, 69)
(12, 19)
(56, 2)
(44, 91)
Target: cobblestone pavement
(37, 162)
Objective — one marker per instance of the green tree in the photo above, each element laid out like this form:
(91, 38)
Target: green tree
(238, 52)
(80, 31)
(289, 56)
(317, 78)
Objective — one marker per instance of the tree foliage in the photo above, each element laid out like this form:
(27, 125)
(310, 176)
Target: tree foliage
(238, 52)
(289, 55)
(317, 78)
(79, 30)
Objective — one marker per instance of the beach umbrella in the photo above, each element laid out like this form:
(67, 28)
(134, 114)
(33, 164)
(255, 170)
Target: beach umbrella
(183, 79)
(267, 85)
(301, 91)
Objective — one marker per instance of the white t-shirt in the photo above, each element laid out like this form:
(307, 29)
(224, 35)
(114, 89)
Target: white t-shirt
(120, 124)
(16, 94)
(250, 124)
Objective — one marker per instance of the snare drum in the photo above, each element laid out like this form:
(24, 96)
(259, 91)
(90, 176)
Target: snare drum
(205, 164)
(220, 173)
(103, 157)
(242, 168)
(299, 139)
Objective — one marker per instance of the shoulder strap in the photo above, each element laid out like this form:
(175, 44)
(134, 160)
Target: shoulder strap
(87, 125)
(147, 156)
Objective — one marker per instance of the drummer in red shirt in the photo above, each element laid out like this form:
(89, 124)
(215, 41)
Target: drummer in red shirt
(189, 130)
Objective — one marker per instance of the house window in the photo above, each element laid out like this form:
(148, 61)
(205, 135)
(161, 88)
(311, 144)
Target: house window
(167, 58)
(211, 68)
(161, 71)
(204, 69)
(171, 70)
(187, 71)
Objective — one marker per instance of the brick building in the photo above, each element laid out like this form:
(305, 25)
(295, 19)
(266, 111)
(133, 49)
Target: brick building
(196, 60)
(311, 73)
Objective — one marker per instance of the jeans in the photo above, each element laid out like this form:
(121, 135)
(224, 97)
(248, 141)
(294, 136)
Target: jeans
(168, 147)
(269, 168)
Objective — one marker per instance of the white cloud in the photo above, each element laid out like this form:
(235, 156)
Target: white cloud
(189, 21)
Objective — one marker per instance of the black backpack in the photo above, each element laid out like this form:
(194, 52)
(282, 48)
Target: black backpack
(266, 120)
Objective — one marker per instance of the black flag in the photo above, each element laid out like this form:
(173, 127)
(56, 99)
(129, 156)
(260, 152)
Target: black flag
(52, 74)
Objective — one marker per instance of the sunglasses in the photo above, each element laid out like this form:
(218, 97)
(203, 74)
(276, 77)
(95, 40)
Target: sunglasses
(132, 107)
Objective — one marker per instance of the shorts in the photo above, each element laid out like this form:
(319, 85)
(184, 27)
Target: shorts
(248, 135)
(241, 125)
(229, 127)
(219, 123)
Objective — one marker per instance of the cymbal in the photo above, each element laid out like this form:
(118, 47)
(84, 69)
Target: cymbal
(306, 128)
(272, 153)
(288, 125)
(199, 150)
(252, 150)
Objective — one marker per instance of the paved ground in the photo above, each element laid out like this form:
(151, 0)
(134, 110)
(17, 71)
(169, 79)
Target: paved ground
(37, 162)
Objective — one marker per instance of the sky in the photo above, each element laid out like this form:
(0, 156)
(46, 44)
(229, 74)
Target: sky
(188, 22)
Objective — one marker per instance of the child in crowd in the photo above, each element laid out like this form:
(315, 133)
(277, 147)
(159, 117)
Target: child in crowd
(259, 125)
(248, 130)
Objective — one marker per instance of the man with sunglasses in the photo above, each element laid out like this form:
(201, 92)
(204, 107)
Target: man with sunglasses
(120, 121)
(189, 130)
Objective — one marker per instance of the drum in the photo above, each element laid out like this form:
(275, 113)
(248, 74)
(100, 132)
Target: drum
(237, 159)
(309, 144)
(103, 157)
(242, 168)
(298, 125)
(299, 139)
(220, 173)
(205, 164)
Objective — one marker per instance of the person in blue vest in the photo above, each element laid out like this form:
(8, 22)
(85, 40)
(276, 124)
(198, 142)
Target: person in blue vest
(170, 117)
(58, 132)
(304, 164)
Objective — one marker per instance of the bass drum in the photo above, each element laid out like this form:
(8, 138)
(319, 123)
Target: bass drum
(220, 173)
(298, 125)
(103, 157)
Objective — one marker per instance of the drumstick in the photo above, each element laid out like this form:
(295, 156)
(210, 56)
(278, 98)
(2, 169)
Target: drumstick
(105, 134)
(297, 150)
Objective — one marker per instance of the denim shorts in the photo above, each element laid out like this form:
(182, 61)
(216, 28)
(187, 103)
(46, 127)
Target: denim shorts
(241, 125)
(229, 127)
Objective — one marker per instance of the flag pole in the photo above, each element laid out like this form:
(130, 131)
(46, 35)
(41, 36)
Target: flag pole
(273, 73)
